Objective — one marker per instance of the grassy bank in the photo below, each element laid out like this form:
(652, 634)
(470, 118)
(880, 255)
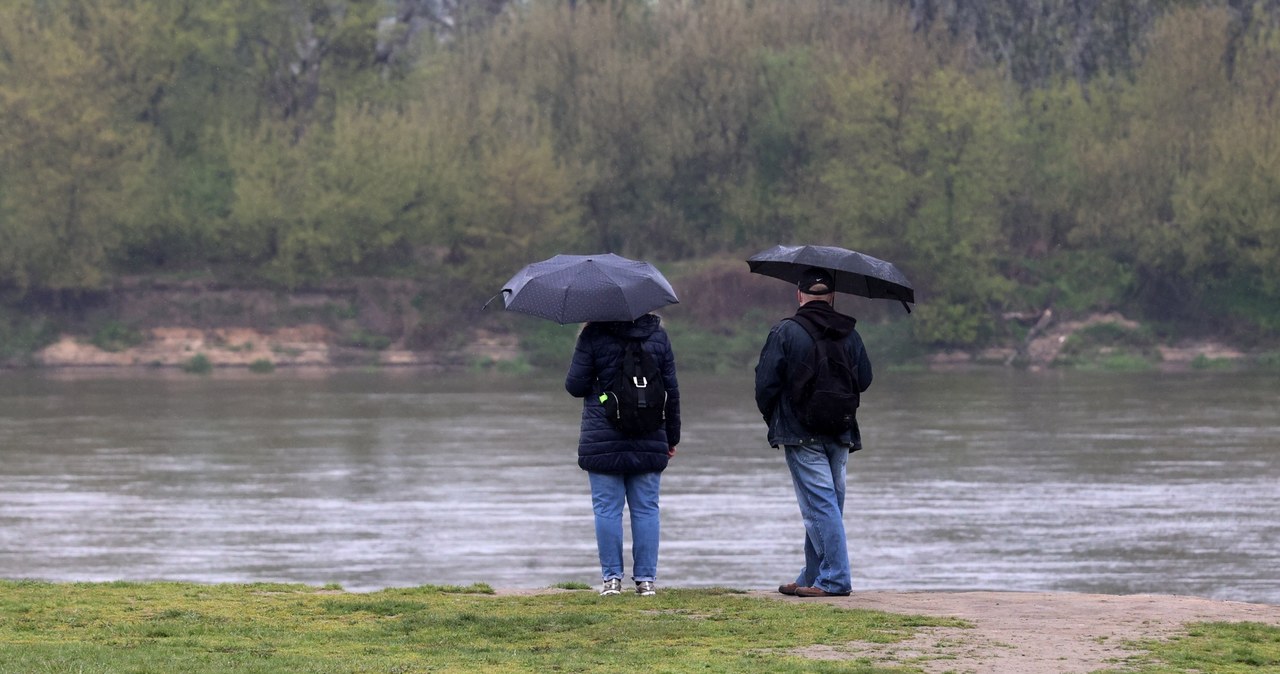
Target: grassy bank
(174, 627)
(182, 627)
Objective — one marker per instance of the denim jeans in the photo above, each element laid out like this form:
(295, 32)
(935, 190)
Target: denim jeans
(818, 474)
(640, 493)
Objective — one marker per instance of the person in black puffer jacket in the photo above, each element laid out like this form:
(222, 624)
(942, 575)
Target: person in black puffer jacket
(623, 469)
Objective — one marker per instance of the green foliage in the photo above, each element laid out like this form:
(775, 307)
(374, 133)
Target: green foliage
(519, 365)
(546, 344)
(363, 339)
(115, 336)
(942, 324)
(1133, 165)
(262, 366)
(72, 151)
(1203, 362)
(931, 169)
(729, 348)
(1110, 346)
(890, 344)
(1074, 281)
(198, 364)
(22, 335)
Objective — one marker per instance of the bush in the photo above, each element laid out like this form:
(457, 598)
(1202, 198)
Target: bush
(1110, 346)
(262, 366)
(115, 336)
(21, 336)
(1203, 362)
(730, 348)
(363, 339)
(891, 344)
(546, 344)
(1076, 281)
(198, 364)
(1269, 360)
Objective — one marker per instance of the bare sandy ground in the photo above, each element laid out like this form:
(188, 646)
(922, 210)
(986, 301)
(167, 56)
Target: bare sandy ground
(1031, 632)
(1021, 632)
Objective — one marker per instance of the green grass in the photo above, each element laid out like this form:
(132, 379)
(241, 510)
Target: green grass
(274, 628)
(1222, 648)
(266, 628)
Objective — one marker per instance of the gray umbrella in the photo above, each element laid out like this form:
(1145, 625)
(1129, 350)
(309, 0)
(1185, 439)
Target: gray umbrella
(854, 272)
(578, 288)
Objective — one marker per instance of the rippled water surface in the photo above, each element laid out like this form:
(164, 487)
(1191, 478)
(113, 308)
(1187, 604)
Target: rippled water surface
(1115, 483)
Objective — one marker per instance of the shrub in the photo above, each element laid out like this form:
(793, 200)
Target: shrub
(1269, 360)
(115, 336)
(1110, 346)
(20, 335)
(363, 339)
(262, 366)
(1203, 362)
(198, 364)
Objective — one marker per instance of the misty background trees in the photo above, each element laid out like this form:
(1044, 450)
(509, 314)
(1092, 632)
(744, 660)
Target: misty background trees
(1007, 155)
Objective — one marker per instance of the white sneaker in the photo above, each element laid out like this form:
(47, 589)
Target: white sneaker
(611, 587)
(644, 588)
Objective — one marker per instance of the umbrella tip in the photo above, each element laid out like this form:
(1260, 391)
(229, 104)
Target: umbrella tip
(491, 299)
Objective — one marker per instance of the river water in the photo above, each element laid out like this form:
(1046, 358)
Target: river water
(1006, 480)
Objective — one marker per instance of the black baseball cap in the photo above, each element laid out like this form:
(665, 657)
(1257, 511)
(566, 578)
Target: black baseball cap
(816, 281)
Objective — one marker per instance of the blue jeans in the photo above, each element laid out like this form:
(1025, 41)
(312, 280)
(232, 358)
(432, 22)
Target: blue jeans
(640, 493)
(818, 474)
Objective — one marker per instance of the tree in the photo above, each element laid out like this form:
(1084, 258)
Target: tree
(74, 144)
(1147, 140)
(1228, 211)
(917, 174)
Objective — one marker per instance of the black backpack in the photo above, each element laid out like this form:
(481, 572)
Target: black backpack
(824, 392)
(636, 400)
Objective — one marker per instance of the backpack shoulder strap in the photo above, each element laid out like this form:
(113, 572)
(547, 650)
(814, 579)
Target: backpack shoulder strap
(807, 324)
(633, 362)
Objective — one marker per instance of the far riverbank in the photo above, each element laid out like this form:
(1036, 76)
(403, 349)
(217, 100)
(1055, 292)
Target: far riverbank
(199, 325)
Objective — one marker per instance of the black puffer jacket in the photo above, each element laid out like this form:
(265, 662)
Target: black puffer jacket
(596, 359)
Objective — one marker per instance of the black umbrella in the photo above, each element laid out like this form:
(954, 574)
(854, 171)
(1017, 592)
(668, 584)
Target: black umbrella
(578, 288)
(854, 272)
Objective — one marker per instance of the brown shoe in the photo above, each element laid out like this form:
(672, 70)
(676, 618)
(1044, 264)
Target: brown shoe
(789, 589)
(817, 592)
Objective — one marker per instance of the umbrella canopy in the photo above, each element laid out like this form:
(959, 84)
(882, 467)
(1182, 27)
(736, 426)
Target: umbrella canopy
(578, 288)
(854, 272)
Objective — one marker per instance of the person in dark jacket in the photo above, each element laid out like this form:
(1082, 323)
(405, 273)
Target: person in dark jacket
(817, 462)
(623, 469)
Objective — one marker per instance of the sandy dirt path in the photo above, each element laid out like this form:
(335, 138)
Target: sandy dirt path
(1031, 632)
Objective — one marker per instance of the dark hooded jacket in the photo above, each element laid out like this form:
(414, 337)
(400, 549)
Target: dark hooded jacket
(789, 344)
(596, 359)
